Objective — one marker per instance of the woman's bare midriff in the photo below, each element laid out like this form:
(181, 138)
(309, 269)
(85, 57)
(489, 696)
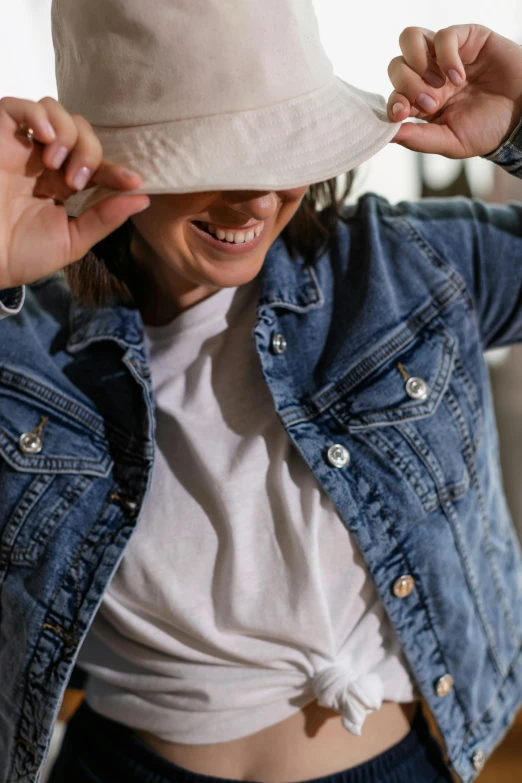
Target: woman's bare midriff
(309, 744)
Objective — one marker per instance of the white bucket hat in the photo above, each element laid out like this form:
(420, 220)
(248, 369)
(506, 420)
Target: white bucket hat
(199, 95)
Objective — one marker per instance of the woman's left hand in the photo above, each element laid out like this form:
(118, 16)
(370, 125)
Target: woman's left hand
(469, 118)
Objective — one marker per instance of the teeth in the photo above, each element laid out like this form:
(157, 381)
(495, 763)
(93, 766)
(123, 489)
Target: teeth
(236, 237)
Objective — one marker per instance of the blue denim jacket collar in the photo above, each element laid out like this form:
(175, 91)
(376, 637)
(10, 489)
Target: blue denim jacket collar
(286, 283)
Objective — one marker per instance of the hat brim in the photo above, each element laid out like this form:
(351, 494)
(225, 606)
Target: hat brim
(310, 139)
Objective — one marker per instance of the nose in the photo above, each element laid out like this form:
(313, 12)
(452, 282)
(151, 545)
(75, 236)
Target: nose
(256, 204)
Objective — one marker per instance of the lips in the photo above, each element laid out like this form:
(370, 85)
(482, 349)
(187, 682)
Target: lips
(224, 248)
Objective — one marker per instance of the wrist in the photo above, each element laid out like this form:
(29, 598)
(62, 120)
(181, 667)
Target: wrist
(512, 140)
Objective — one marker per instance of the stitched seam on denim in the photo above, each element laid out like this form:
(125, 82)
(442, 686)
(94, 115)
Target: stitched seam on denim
(322, 402)
(405, 411)
(107, 430)
(510, 672)
(432, 465)
(60, 465)
(56, 400)
(83, 336)
(70, 497)
(418, 584)
(450, 491)
(26, 504)
(313, 288)
(475, 406)
(370, 363)
(469, 455)
(411, 329)
(382, 446)
(70, 634)
(412, 231)
(452, 271)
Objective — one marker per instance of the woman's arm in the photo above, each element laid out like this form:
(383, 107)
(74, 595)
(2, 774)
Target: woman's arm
(474, 78)
(483, 243)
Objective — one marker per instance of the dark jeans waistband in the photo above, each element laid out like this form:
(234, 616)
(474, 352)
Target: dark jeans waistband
(110, 752)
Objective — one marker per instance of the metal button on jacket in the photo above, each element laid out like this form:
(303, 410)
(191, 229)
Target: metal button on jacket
(416, 388)
(338, 456)
(479, 759)
(444, 685)
(278, 343)
(403, 586)
(30, 443)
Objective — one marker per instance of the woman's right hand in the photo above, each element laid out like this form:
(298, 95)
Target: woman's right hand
(36, 235)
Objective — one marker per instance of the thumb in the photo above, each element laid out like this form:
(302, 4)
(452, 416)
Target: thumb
(426, 137)
(101, 220)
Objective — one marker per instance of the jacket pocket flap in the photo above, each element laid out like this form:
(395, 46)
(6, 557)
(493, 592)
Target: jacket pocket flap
(405, 386)
(62, 444)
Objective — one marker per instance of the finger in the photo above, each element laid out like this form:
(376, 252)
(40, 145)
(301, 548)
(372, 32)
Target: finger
(418, 49)
(428, 137)
(101, 220)
(51, 184)
(399, 108)
(86, 166)
(411, 86)
(85, 157)
(448, 43)
(113, 175)
(18, 111)
(83, 164)
(56, 153)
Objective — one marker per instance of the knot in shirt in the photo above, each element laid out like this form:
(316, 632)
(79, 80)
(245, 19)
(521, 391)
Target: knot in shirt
(353, 698)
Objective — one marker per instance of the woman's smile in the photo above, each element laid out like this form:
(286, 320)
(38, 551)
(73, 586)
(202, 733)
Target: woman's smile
(235, 242)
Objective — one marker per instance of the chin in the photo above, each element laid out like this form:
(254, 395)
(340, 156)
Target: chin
(230, 273)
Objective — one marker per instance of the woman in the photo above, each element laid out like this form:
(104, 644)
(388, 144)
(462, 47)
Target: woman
(313, 525)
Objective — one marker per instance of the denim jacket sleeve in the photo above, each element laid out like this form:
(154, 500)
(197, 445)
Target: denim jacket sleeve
(483, 242)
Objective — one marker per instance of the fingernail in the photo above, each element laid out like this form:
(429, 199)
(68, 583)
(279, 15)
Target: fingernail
(434, 79)
(59, 157)
(81, 178)
(455, 76)
(397, 107)
(426, 102)
(48, 129)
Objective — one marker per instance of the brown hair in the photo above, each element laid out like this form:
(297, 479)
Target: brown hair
(105, 275)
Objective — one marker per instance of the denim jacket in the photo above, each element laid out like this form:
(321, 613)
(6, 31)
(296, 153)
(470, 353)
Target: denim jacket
(381, 385)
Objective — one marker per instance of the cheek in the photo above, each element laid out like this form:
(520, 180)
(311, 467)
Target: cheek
(293, 196)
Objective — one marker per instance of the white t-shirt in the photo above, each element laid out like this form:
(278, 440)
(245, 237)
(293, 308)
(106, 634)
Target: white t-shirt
(242, 596)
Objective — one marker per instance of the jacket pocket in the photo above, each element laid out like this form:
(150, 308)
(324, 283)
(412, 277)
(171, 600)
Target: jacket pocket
(51, 452)
(417, 408)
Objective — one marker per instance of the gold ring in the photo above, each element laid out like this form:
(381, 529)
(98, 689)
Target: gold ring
(26, 133)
